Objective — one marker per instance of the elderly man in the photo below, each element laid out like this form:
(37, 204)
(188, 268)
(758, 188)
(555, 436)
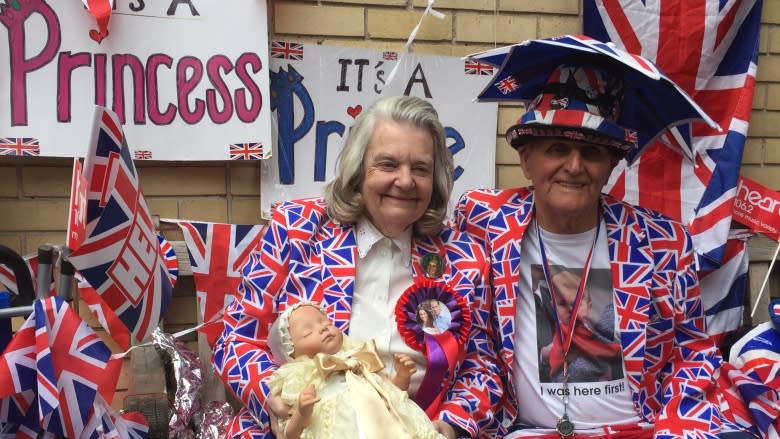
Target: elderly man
(636, 265)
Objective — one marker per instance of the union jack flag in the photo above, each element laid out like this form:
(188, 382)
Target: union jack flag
(120, 258)
(286, 50)
(142, 155)
(217, 254)
(710, 49)
(507, 85)
(19, 146)
(390, 56)
(246, 151)
(62, 365)
(477, 68)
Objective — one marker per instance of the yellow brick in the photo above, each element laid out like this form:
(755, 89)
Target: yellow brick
(771, 12)
(480, 5)
(754, 152)
(503, 29)
(34, 240)
(390, 23)
(772, 151)
(768, 68)
(760, 96)
(305, 19)
(12, 241)
(245, 211)
(8, 185)
(204, 209)
(507, 116)
(183, 310)
(542, 6)
(20, 215)
(772, 97)
(765, 175)
(505, 154)
(552, 26)
(764, 124)
(245, 180)
(45, 181)
(183, 180)
(371, 2)
(510, 176)
(393, 46)
(163, 207)
(772, 37)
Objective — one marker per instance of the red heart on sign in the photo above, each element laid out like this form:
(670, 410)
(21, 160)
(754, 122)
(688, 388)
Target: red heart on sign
(97, 36)
(354, 111)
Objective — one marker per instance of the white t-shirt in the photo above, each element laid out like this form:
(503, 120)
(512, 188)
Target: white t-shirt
(598, 391)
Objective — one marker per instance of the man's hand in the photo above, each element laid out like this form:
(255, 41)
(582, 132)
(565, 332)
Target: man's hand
(445, 429)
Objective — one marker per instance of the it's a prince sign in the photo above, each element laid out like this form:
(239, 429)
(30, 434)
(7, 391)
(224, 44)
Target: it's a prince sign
(188, 79)
(318, 91)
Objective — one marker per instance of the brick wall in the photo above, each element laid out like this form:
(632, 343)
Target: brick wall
(34, 192)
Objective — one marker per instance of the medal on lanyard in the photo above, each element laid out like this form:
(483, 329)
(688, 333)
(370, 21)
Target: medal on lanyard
(564, 426)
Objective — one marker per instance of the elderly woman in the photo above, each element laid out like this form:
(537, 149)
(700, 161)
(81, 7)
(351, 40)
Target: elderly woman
(355, 252)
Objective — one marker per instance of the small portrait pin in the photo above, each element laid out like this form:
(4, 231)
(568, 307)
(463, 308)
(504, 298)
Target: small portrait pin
(432, 265)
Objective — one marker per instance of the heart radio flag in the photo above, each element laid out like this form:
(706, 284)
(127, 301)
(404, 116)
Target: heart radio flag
(758, 207)
(120, 257)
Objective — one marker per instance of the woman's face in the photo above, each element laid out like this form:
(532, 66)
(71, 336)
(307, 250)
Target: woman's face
(424, 319)
(398, 181)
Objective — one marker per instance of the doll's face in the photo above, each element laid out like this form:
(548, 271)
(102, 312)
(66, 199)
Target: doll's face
(312, 333)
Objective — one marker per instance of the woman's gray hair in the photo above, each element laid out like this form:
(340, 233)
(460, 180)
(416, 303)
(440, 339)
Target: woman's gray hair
(344, 199)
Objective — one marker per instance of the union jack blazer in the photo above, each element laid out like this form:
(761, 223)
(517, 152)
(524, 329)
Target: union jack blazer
(671, 365)
(304, 255)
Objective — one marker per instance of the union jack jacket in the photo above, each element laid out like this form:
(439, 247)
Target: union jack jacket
(670, 363)
(304, 255)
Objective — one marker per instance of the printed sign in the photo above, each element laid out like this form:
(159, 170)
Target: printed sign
(187, 79)
(318, 91)
(757, 207)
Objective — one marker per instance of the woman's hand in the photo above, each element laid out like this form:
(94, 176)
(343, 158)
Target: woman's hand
(445, 429)
(278, 411)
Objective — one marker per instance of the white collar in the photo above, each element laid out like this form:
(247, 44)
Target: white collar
(368, 235)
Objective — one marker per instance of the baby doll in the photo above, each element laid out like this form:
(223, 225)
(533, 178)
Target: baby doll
(334, 385)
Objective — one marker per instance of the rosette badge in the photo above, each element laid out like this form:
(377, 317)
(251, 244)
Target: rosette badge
(432, 318)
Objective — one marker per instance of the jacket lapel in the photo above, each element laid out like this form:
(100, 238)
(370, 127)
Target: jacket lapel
(632, 269)
(338, 253)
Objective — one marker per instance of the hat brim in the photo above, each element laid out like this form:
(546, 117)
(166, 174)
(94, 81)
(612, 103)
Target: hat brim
(534, 124)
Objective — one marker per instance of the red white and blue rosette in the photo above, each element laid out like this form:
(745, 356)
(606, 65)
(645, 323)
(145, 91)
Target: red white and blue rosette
(169, 259)
(444, 348)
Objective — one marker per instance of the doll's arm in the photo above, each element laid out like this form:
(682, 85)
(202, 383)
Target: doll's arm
(301, 415)
(404, 369)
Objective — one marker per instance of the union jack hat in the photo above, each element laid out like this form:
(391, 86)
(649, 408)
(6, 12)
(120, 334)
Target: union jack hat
(577, 102)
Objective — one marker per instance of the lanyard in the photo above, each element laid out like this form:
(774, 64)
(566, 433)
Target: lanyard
(566, 339)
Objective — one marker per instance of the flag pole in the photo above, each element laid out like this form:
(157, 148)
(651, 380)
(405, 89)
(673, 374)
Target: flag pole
(766, 279)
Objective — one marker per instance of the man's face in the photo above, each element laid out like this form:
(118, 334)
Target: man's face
(568, 177)
(435, 308)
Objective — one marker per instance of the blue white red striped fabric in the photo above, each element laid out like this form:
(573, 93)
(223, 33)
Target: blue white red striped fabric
(709, 48)
(55, 377)
(217, 254)
(120, 258)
